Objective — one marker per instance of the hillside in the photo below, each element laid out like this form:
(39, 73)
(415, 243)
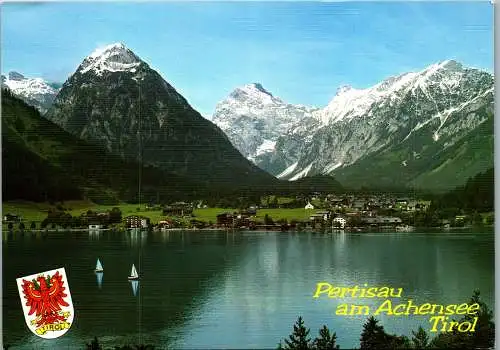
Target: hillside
(42, 162)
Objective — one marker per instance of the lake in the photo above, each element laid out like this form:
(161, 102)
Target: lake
(238, 290)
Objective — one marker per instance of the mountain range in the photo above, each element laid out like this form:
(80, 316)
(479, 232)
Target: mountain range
(116, 130)
(116, 100)
(430, 129)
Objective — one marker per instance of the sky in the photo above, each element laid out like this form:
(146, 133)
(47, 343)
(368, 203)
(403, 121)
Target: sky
(299, 51)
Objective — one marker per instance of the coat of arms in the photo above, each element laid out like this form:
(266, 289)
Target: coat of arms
(46, 302)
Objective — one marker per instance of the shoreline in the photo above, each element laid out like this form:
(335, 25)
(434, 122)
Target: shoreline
(305, 230)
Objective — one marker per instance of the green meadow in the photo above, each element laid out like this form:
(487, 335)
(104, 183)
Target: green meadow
(31, 211)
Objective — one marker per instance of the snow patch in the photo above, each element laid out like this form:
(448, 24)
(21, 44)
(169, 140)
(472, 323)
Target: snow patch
(114, 58)
(303, 173)
(288, 170)
(265, 147)
(329, 168)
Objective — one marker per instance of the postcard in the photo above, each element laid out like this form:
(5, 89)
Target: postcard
(248, 175)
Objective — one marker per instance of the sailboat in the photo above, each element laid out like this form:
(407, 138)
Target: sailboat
(98, 266)
(133, 274)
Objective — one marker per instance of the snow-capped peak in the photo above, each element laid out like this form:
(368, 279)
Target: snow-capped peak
(113, 58)
(255, 93)
(34, 91)
(349, 102)
(254, 119)
(344, 88)
(112, 47)
(292, 141)
(258, 87)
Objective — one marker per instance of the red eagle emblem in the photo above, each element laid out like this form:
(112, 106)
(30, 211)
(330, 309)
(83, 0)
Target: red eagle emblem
(45, 296)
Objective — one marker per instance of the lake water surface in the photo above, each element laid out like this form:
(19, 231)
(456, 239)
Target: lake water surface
(237, 290)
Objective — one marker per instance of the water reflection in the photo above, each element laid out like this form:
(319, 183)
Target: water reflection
(262, 280)
(229, 237)
(135, 287)
(136, 237)
(94, 235)
(99, 276)
(165, 236)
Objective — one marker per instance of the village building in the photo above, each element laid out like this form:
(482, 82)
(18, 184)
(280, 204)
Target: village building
(250, 211)
(135, 221)
(339, 221)
(382, 220)
(315, 218)
(309, 206)
(12, 218)
(358, 205)
(165, 224)
(225, 219)
(325, 214)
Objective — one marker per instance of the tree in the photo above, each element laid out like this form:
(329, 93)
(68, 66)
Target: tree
(268, 220)
(65, 220)
(275, 203)
(482, 338)
(94, 345)
(115, 216)
(373, 335)
(476, 219)
(355, 221)
(33, 225)
(299, 339)
(420, 339)
(325, 341)
(490, 220)
(10, 226)
(21, 226)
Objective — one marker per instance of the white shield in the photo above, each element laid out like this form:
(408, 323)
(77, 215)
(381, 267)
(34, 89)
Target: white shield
(46, 301)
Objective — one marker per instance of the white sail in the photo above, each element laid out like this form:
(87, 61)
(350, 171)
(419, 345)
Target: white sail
(133, 273)
(98, 266)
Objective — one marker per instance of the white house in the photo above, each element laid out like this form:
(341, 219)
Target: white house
(339, 221)
(309, 206)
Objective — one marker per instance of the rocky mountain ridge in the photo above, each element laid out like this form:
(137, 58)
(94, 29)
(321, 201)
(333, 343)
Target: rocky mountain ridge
(434, 108)
(116, 100)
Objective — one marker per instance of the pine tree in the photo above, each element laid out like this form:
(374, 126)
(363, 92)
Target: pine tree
(420, 339)
(299, 339)
(484, 336)
(373, 335)
(325, 341)
(94, 345)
